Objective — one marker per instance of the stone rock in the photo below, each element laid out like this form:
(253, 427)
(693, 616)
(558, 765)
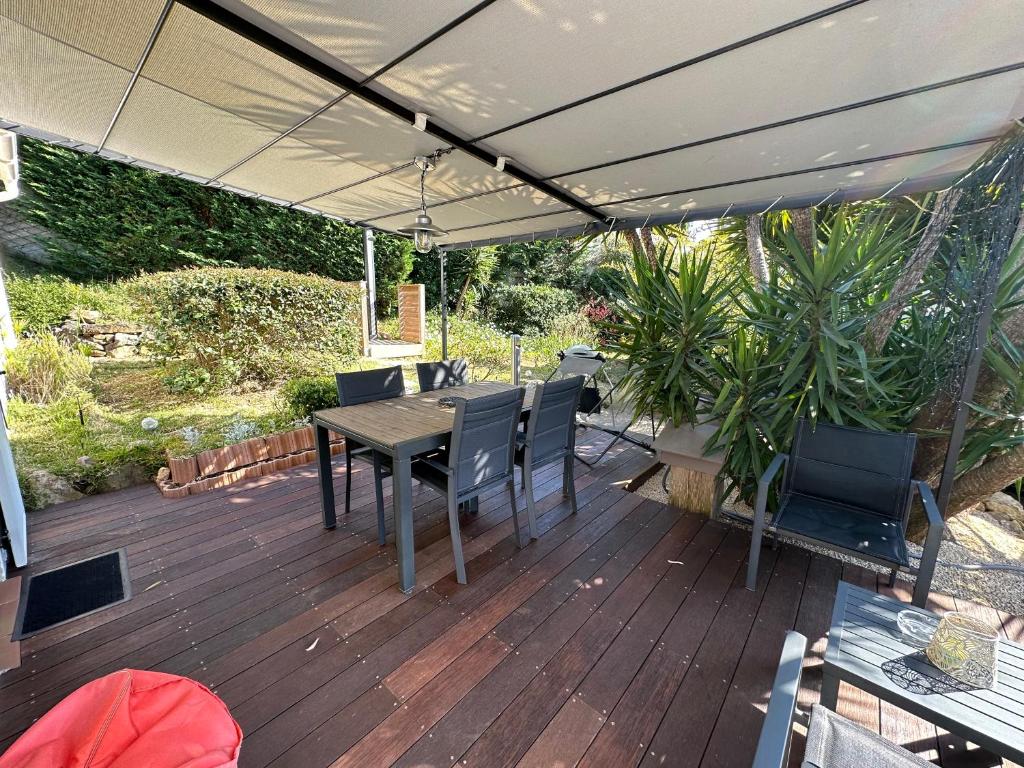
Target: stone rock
(119, 353)
(126, 339)
(125, 476)
(112, 328)
(85, 315)
(85, 461)
(51, 489)
(1007, 510)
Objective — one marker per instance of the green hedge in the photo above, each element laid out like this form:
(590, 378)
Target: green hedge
(529, 308)
(228, 326)
(118, 221)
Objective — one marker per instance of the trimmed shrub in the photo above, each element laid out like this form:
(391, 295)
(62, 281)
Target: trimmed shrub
(307, 394)
(227, 326)
(41, 369)
(529, 308)
(43, 301)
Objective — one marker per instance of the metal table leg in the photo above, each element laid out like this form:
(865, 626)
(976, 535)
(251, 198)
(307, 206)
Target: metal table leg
(829, 690)
(323, 465)
(401, 479)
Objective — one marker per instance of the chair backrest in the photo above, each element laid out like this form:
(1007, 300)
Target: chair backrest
(862, 468)
(551, 431)
(483, 441)
(367, 386)
(442, 374)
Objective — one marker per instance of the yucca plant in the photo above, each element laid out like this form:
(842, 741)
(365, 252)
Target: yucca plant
(795, 351)
(818, 303)
(747, 407)
(671, 318)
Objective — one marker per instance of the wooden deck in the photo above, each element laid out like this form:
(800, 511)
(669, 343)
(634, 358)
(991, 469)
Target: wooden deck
(622, 637)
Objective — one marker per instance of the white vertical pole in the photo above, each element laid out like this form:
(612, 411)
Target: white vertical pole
(10, 497)
(370, 269)
(8, 191)
(10, 494)
(444, 310)
(517, 356)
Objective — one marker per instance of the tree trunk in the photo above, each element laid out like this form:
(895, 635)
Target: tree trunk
(803, 227)
(755, 251)
(981, 482)
(462, 292)
(634, 241)
(881, 325)
(647, 238)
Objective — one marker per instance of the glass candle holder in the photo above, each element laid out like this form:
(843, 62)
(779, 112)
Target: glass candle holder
(965, 648)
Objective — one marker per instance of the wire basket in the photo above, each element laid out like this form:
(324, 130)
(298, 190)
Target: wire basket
(966, 649)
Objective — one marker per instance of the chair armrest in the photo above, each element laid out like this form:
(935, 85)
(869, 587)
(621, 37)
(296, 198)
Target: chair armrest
(773, 469)
(436, 465)
(931, 509)
(765, 482)
(777, 729)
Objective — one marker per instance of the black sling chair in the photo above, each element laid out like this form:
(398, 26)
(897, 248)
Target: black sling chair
(851, 490)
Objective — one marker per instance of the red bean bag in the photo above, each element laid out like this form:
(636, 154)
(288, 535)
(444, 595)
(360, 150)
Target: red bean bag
(132, 719)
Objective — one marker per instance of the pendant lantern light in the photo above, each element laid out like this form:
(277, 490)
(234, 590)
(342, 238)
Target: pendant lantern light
(422, 230)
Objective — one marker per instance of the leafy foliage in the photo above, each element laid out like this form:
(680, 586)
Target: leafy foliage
(470, 273)
(42, 369)
(529, 308)
(116, 221)
(307, 394)
(43, 301)
(229, 326)
(671, 321)
(999, 426)
(802, 356)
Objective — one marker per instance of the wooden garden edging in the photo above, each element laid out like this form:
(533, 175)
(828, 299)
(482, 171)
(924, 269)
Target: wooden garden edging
(258, 456)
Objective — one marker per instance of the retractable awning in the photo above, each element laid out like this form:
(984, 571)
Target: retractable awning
(610, 113)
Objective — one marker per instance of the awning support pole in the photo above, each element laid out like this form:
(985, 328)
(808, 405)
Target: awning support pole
(956, 436)
(444, 310)
(370, 271)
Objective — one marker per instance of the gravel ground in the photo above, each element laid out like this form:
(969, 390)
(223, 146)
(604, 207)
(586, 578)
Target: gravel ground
(973, 537)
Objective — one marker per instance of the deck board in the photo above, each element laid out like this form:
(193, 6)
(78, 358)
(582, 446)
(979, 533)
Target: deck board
(623, 636)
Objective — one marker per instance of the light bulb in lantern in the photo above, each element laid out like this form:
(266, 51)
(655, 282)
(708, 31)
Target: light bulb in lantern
(423, 241)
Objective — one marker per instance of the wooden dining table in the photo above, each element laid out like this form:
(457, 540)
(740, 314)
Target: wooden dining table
(400, 427)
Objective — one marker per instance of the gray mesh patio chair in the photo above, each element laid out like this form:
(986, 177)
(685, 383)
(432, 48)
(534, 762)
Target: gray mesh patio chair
(479, 456)
(550, 436)
(832, 740)
(367, 387)
(442, 374)
(850, 489)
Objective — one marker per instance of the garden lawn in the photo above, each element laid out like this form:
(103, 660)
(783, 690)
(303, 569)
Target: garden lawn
(104, 424)
(104, 421)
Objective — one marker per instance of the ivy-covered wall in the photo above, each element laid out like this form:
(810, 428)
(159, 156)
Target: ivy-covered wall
(116, 221)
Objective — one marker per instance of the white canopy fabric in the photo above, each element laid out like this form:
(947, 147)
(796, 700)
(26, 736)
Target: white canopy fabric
(611, 113)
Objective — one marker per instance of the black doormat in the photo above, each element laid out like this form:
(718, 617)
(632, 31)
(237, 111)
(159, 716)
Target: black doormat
(63, 594)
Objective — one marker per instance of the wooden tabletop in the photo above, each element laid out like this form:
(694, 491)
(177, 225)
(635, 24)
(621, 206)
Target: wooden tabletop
(410, 418)
(867, 648)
